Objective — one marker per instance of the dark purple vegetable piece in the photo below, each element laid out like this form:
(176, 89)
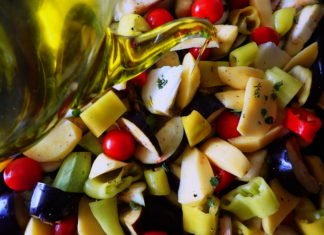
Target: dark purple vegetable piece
(286, 164)
(3, 187)
(51, 204)
(13, 215)
(136, 123)
(206, 105)
(160, 215)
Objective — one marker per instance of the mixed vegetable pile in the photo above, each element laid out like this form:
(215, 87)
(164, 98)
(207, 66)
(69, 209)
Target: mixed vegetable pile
(225, 140)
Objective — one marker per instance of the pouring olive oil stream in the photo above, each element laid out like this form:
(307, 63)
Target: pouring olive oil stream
(54, 54)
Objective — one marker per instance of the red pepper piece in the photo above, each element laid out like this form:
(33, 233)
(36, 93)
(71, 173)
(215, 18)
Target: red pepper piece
(226, 125)
(303, 123)
(265, 34)
(225, 178)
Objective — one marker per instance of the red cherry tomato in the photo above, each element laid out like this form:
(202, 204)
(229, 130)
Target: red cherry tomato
(155, 233)
(265, 34)
(22, 174)
(139, 80)
(226, 125)
(212, 10)
(119, 145)
(158, 16)
(196, 50)
(68, 226)
(237, 4)
(225, 179)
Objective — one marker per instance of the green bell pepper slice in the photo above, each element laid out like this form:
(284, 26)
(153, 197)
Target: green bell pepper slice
(254, 199)
(112, 183)
(157, 182)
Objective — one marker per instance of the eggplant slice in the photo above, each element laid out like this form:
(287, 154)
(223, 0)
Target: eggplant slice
(136, 124)
(51, 204)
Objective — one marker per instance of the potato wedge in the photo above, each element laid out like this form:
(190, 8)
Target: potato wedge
(232, 99)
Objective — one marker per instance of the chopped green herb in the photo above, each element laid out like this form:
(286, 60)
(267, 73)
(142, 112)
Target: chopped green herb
(161, 82)
(277, 85)
(214, 181)
(264, 112)
(210, 202)
(269, 120)
(257, 90)
(76, 112)
(273, 95)
(134, 205)
(165, 167)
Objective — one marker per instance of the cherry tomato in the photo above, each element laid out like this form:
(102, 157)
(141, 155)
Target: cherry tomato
(68, 226)
(225, 178)
(265, 34)
(212, 10)
(196, 50)
(226, 125)
(155, 233)
(139, 80)
(158, 16)
(119, 145)
(237, 4)
(22, 174)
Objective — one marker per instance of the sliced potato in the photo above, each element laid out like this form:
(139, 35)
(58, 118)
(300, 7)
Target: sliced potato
(254, 143)
(226, 35)
(169, 58)
(264, 8)
(305, 58)
(209, 74)
(87, 223)
(103, 113)
(196, 173)
(238, 76)
(190, 80)
(232, 99)
(226, 156)
(134, 194)
(259, 109)
(57, 144)
(287, 203)
(132, 25)
(104, 164)
(196, 127)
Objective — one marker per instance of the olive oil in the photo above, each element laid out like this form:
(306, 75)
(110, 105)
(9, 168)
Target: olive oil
(55, 54)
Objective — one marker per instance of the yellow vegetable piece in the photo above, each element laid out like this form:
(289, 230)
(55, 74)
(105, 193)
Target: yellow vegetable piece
(287, 203)
(196, 174)
(157, 181)
(305, 76)
(226, 35)
(284, 19)
(238, 76)
(226, 156)
(196, 127)
(311, 228)
(305, 58)
(5, 163)
(198, 222)
(209, 74)
(254, 143)
(316, 167)
(132, 25)
(259, 110)
(232, 99)
(169, 58)
(87, 223)
(264, 9)
(246, 19)
(240, 228)
(58, 143)
(36, 227)
(190, 80)
(244, 55)
(103, 113)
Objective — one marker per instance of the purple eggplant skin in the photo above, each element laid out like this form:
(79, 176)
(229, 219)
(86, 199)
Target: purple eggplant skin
(3, 187)
(204, 104)
(51, 204)
(8, 212)
(139, 120)
(286, 164)
(317, 68)
(160, 215)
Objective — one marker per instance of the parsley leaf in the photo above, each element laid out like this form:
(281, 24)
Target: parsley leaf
(165, 167)
(161, 82)
(134, 206)
(269, 120)
(263, 112)
(76, 112)
(214, 181)
(277, 85)
(210, 202)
